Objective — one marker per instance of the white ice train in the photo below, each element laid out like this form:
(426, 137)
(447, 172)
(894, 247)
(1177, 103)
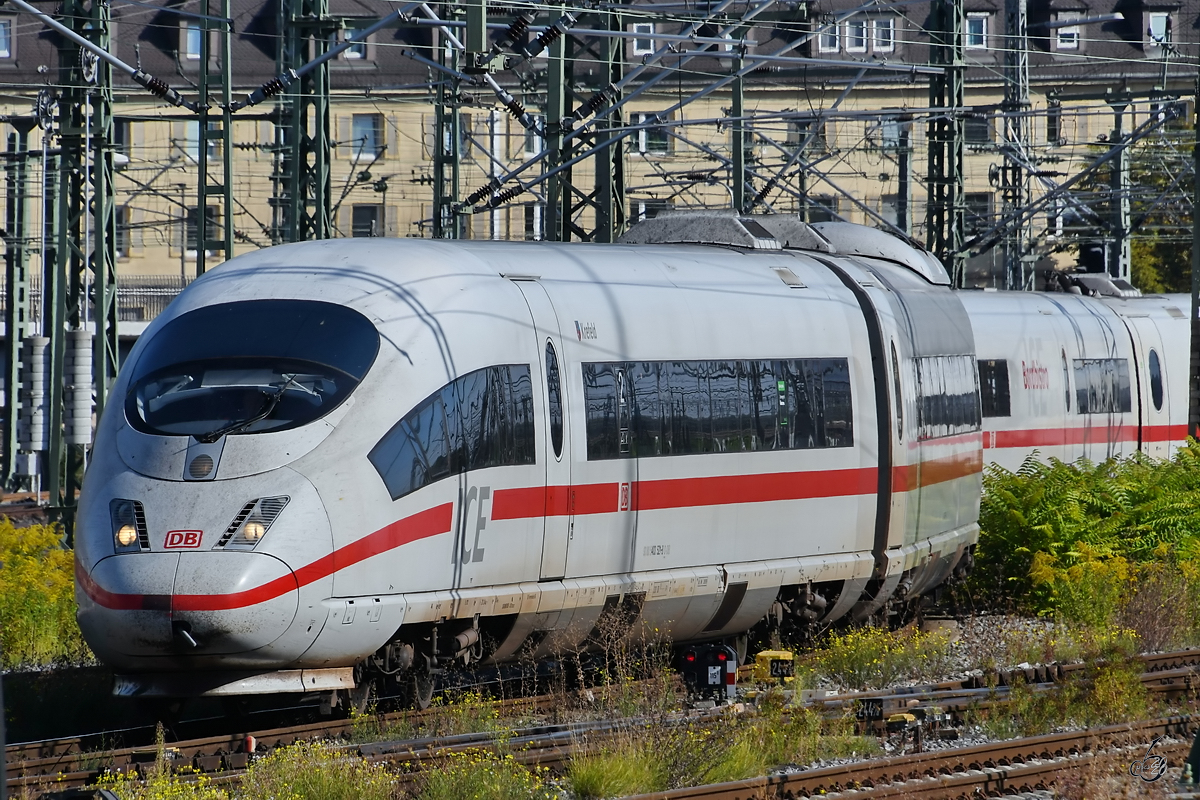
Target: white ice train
(335, 460)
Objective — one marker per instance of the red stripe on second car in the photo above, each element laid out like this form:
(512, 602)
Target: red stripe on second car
(1095, 434)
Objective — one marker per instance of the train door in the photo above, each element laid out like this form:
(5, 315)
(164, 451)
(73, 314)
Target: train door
(554, 447)
(1153, 401)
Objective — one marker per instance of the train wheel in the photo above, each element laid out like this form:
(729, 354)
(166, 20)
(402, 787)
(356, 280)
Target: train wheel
(421, 689)
(362, 696)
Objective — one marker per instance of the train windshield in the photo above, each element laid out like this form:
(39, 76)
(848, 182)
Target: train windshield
(249, 367)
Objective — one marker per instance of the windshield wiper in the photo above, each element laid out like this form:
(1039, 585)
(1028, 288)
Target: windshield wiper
(241, 425)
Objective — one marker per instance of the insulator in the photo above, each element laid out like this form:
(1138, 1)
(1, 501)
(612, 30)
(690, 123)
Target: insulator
(517, 30)
(482, 192)
(766, 190)
(32, 431)
(545, 39)
(272, 87)
(515, 108)
(505, 196)
(157, 87)
(78, 379)
(594, 102)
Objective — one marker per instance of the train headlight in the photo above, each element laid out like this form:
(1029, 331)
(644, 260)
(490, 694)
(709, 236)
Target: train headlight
(251, 524)
(254, 530)
(126, 535)
(128, 526)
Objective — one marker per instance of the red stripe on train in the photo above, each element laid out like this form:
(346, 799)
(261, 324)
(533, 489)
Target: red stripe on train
(524, 503)
(1058, 437)
(421, 525)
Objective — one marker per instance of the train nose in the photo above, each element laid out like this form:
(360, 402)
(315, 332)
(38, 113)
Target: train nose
(231, 602)
(200, 603)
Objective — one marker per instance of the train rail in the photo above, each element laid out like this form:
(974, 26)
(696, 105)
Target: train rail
(62, 764)
(988, 770)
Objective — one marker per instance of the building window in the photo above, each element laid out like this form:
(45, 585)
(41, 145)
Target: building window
(356, 51)
(885, 34)
(191, 142)
(856, 35)
(649, 209)
(1054, 136)
(799, 130)
(534, 143)
(827, 39)
(6, 38)
(1067, 37)
(366, 220)
(121, 243)
(533, 222)
(122, 130)
(976, 32)
(366, 134)
(977, 130)
(822, 208)
(651, 139)
(979, 210)
(885, 134)
(643, 40)
(1158, 31)
(193, 226)
(190, 37)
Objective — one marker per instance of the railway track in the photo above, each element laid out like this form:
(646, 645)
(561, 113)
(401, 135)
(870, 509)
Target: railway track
(61, 764)
(989, 770)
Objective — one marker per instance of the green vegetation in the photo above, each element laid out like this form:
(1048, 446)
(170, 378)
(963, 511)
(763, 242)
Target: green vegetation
(483, 775)
(37, 598)
(1105, 546)
(316, 771)
(660, 757)
(872, 658)
(1111, 691)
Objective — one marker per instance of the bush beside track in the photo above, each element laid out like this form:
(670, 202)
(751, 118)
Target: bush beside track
(1109, 546)
(37, 599)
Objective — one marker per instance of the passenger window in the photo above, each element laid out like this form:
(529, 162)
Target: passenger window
(993, 388)
(1102, 386)
(691, 407)
(483, 419)
(899, 396)
(554, 395)
(1156, 382)
(600, 410)
(947, 396)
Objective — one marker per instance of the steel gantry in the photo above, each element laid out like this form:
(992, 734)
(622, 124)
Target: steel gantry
(214, 127)
(303, 181)
(946, 215)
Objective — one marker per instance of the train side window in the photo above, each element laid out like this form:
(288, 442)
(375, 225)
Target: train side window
(993, 388)
(647, 414)
(600, 410)
(554, 395)
(947, 396)
(830, 378)
(1156, 381)
(764, 405)
(899, 396)
(691, 407)
(1066, 381)
(483, 419)
(1102, 386)
(729, 394)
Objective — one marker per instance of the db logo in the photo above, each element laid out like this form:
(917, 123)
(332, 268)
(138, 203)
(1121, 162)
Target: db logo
(181, 539)
(623, 497)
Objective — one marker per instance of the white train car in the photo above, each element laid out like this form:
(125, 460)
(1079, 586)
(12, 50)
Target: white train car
(1073, 377)
(345, 458)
